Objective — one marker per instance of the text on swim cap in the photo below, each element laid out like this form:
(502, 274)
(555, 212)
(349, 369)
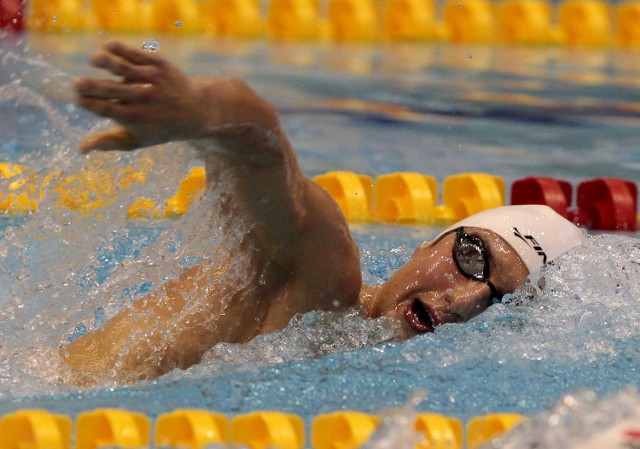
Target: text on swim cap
(532, 242)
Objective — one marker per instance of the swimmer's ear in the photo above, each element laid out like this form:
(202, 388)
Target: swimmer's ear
(117, 139)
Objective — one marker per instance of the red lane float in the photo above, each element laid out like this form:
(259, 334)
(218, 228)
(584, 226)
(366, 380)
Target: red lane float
(555, 193)
(11, 12)
(607, 204)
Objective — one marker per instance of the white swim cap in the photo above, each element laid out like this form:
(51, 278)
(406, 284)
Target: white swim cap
(537, 233)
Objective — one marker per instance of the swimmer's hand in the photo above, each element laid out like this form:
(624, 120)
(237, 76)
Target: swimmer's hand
(154, 102)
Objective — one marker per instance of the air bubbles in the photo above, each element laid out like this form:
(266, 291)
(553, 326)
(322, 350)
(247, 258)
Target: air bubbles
(151, 45)
(178, 24)
(54, 18)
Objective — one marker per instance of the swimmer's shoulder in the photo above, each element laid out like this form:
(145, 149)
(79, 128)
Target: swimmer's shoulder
(329, 258)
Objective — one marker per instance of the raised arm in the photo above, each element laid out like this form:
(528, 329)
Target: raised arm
(154, 102)
(302, 255)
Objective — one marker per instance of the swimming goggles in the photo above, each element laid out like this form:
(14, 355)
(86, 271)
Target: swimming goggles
(471, 258)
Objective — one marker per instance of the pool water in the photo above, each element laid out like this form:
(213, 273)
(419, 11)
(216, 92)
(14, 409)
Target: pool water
(434, 109)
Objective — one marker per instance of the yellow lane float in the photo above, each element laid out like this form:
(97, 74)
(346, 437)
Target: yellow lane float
(197, 429)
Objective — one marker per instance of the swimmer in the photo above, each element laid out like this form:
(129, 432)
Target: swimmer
(301, 253)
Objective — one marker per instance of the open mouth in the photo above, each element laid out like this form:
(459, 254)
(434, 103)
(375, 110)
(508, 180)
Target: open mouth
(418, 317)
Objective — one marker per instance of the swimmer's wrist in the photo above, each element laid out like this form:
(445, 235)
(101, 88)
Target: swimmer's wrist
(232, 103)
(245, 142)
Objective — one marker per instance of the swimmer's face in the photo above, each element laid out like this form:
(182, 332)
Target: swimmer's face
(450, 280)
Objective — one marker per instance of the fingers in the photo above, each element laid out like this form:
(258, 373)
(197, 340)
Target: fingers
(118, 111)
(117, 139)
(113, 90)
(133, 55)
(121, 67)
(128, 62)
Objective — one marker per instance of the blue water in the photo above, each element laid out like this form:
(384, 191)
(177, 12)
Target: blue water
(439, 110)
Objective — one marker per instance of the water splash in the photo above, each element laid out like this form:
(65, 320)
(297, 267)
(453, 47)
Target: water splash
(576, 421)
(67, 269)
(309, 336)
(151, 45)
(397, 427)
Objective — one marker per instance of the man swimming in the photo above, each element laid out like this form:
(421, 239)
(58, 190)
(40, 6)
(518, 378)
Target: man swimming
(301, 254)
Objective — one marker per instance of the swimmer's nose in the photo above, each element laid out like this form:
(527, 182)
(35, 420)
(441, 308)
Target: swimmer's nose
(471, 301)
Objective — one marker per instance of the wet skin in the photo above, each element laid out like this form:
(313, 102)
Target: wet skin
(431, 289)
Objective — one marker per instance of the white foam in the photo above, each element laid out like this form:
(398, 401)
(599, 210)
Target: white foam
(579, 421)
